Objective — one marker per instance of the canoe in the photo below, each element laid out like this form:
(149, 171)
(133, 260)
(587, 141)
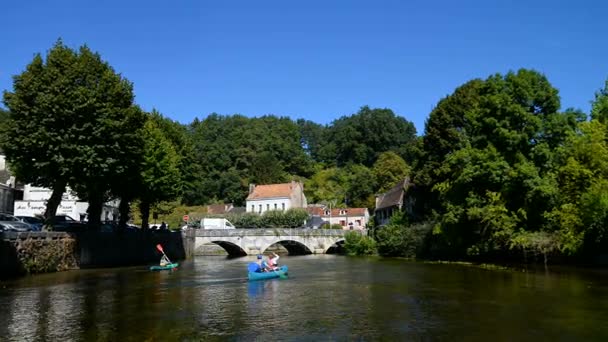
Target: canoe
(162, 268)
(282, 271)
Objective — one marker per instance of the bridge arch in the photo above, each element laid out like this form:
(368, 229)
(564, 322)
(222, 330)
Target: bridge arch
(231, 248)
(292, 246)
(336, 247)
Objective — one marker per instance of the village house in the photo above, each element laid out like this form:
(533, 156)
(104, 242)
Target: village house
(348, 218)
(392, 201)
(263, 198)
(35, 198)
(220, 209)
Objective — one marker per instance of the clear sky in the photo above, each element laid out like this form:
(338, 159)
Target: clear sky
(315, 59)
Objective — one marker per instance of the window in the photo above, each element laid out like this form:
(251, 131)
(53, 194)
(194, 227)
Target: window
(253, 208)
(267, 207)
(283, 206)
(275, 206)
(260, 208)
(342, 223)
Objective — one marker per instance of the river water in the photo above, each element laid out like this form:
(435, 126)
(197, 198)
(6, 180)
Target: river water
(325, 298)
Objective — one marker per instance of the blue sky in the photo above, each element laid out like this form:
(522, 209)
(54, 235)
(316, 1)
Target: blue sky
(315, 59)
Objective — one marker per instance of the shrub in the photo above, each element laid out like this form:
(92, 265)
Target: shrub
(245, 220)
(402, 241)
(358, 244)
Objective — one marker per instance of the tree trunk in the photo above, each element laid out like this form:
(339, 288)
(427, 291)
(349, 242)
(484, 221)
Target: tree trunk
(95, 208)
(144, 208)
(124, 208)
(53, 203)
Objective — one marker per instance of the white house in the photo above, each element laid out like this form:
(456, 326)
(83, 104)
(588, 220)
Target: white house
(35, 198)
(348, 218)
(263, 198)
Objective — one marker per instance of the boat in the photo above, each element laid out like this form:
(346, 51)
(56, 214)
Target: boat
(281, 272)
(163, 268)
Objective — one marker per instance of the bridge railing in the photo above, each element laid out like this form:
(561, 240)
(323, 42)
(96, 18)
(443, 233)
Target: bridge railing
(301, 232)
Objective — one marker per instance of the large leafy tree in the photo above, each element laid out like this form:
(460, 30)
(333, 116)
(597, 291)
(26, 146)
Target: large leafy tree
(389, 169)
(191, 171)
(599, 108)
(482, 150)
(235, 150)
(69, 119)
(360, 138)
(160, 173)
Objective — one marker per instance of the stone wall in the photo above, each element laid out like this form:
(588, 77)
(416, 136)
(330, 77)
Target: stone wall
(39, 252)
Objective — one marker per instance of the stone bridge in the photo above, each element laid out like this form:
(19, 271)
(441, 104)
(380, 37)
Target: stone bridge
(256, 241)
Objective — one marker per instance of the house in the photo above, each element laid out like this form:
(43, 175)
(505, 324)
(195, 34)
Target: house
(35, 198)
(263, 198)
(392, 201)
(219, 208)
(9, 189)
(348, 218)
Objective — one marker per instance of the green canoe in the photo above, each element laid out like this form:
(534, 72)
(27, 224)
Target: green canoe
(281, 272)
(163, 268)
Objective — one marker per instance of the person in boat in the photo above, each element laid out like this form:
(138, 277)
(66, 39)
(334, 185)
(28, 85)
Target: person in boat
(261, 263)
(164, 261)
(274, 261)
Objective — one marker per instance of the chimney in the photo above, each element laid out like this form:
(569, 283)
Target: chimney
(251, 187)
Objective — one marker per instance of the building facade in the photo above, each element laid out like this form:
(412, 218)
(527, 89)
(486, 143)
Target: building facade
(348, 218)
(285, 196)
(393, 201)
(35, 198)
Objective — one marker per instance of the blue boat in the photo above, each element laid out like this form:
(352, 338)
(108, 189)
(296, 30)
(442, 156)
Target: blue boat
(280, 273)
(163, 268)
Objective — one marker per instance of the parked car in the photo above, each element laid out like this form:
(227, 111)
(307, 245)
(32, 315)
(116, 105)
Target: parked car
(65, 223)
(216, 223)
(12, 224)
(35, 222)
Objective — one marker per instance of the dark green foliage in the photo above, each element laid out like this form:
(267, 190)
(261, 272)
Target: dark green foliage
(234, 151)
(245, 220)
(360, 138)
(357, 244)
(292, 218)
(71, 122)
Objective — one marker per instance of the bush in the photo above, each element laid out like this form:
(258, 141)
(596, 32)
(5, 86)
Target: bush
(402, 241)
(292, 218)
(245, 220)
(358, 244)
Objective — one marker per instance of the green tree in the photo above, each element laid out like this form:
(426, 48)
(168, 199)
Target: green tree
(360, 138)
(389, 169)
(599, 108)
(489, 160)
(69, 119)
(160, 174)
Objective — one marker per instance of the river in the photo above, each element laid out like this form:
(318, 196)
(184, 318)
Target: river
(326, 298)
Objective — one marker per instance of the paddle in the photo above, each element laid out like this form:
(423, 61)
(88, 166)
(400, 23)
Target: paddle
(160, 248)
(281, 275)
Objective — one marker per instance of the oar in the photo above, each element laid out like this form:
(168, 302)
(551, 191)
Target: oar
(160, 248)
(281, 275)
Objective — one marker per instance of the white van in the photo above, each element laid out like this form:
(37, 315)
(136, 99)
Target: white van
(216, 223)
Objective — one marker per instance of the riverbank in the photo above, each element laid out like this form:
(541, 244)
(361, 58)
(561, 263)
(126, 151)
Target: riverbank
(44, 252)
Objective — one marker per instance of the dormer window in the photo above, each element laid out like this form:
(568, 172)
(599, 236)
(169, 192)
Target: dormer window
(342, 212)
(327, 212)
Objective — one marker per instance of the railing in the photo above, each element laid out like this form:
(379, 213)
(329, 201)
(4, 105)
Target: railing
(12, 236)
(270, 232)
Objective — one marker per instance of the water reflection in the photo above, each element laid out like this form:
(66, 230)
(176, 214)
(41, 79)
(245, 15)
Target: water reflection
(325, 298)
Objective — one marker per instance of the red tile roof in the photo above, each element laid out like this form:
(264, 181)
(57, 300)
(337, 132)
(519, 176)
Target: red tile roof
(271, 191)
(336, 211)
